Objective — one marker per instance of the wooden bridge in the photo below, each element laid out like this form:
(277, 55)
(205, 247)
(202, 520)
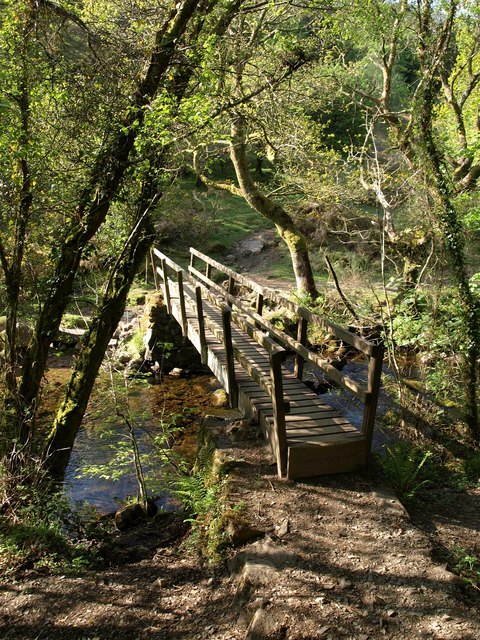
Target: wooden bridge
(247, 353)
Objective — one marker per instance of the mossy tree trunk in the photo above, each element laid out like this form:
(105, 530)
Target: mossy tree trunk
(71, 411)
(272, 210)
(443, 190)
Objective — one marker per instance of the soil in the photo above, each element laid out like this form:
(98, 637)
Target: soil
(336, 557)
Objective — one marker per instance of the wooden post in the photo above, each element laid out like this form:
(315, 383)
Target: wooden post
(201, 325)
(259, 308)
(208, 270)
(373, 390)
(181, 297)
(166, 287)
(279, 435)
(230, 289)
(259, 304)
(154, 269)
(227, 341)
(302, 338)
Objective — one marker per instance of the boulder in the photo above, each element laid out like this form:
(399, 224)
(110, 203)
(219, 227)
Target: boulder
(129, 516)
(219, 398)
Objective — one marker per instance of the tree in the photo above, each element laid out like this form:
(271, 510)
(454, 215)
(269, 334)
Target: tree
(113, 164)
(433, 126)
(262, 57)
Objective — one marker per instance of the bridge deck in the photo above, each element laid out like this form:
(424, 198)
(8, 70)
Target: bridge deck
(319, 438)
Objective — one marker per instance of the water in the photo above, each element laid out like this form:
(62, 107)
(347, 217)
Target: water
(102, 444)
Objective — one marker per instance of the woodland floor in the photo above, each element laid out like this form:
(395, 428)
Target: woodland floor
(337, 557)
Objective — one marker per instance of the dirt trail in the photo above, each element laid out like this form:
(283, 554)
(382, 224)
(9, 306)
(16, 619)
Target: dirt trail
(336, 558)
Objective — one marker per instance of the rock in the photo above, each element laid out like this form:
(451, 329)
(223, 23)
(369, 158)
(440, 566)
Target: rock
(241, 428)
(264, 626)
(239, 531)
(129, 516)
(254, 247)
(283, 528)
(176, 372)
(219, 398)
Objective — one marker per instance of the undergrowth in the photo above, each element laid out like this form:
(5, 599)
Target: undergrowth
(40, 531)
(404, 468)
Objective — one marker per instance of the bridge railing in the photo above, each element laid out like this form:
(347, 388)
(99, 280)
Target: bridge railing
(192, 294)
(367, 394)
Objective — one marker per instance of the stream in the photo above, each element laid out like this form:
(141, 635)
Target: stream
(100, 471)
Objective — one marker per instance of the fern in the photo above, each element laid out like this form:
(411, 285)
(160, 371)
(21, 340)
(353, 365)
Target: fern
(403, 467)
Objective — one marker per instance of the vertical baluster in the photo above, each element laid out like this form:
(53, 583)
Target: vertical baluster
(154, 269)
(201, 325)
(302, 338)
(229, 356)
(279, 434)
(181, 297)
(166, 287)
(259, 308)
(373, 390)
(231, 289)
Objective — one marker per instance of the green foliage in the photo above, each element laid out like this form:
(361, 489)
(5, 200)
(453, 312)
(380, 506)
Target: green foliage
(467, 565)
(201, 496)
(431, 324)
(136, 344)
(472, 468)
(190, 215)
(42, 531)
(405, 469)
(73, 321)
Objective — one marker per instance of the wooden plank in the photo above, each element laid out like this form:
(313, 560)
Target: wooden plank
(313, 460)
(335, 438)
(312, 410)
(313, 435)
(294, 421)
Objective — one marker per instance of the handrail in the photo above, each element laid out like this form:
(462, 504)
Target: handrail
(173, 265)
(363, 345)
(340, 378)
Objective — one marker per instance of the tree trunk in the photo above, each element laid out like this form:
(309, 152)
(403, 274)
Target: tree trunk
(286, 227)
(448, 219)
(71, 411)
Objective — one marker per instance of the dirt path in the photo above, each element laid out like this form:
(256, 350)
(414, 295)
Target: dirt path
(336, 558)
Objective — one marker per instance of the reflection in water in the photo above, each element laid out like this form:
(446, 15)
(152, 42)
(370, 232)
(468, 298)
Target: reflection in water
(103, 436)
